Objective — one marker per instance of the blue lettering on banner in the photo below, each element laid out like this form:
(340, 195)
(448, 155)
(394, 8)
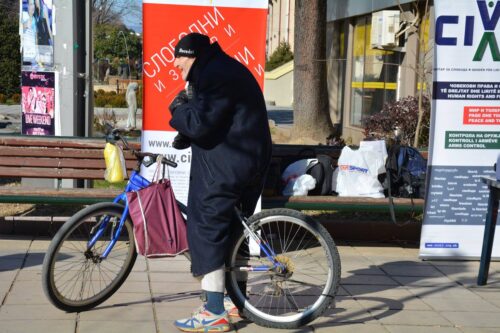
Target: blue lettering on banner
(489, 25)
(441, 245)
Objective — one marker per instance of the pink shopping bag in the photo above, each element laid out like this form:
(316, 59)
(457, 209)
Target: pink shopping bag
(159, 227)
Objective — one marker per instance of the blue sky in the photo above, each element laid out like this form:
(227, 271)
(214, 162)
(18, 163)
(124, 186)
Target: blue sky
(134, 20)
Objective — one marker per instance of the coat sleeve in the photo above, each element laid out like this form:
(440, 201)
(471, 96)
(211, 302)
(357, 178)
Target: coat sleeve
(201, 117)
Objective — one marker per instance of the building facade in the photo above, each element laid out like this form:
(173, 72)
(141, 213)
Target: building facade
(365, 70)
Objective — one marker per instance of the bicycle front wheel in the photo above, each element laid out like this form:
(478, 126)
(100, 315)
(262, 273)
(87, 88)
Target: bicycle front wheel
(291, 298)
(75, 277)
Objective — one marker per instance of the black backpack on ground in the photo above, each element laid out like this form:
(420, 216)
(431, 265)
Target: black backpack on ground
(322, 171)
(405, 174)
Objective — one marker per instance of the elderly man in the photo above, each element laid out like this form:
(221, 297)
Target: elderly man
(225, 121)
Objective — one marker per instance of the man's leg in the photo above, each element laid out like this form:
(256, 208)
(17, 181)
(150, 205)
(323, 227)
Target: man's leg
(213, 285)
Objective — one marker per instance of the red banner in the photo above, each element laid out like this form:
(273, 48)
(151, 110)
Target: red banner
(239, 31)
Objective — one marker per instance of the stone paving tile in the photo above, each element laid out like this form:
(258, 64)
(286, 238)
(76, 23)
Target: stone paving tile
(169, 265)
(26, 326)
(350, 328)
(456, 292)
(125, 298)
(372, 303)
(382, 261)
(487, 293)
(117, 325)
(40, 244)
(173, 277)
(159, 287)
(424, 281)
(26, 275)
(415, 270)
(27, 292)
(135, 312)
(346, 315)
(350, 270)
(10, 264)
(135, 287)
(33, 312)
(479, 330)
(384, 250)
(410, 317)
(176, 310)
(187, 302)
(420, 329)
(369, 279)
(473, 319)
(248, 327)
(138, 276)
(449, 304)
(396, 292)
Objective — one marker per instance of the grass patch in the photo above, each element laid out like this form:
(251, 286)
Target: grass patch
(105, 184)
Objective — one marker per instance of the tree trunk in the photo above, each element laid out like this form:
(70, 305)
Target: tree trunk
(310, 94)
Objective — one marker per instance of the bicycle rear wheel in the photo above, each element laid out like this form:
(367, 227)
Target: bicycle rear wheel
(75, 277)
(305, 289)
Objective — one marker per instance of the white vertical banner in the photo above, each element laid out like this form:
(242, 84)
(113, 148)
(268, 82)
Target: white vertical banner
(239, 26)
(465, 128)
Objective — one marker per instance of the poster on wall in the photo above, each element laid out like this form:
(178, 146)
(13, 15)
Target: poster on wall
(465, 128)
(38, 103)
(36, 30)
(239, 26)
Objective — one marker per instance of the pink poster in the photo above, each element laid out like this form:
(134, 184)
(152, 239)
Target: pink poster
(38, 103)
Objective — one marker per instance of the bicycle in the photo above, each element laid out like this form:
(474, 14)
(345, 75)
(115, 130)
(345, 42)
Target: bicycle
(288, 261)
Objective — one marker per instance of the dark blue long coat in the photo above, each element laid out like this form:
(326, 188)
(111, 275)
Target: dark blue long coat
(227, 123)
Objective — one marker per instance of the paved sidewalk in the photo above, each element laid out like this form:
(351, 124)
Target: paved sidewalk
(384, 289)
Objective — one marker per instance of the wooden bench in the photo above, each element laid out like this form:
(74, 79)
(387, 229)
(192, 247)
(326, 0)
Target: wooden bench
(283, 155)
(80, 158)
(55, 158)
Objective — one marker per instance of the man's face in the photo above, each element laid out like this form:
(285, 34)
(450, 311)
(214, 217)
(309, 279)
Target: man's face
(184, 65)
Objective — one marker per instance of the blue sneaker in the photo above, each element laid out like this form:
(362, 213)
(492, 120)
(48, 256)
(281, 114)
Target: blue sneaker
(203, 320)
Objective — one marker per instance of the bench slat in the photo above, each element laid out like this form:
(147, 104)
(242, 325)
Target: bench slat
(60, 163)
(353, 203)
(51, 173)
(57, 142)
(56, 152)
(56, 196)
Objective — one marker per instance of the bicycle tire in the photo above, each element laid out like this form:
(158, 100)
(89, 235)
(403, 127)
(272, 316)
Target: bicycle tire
(68, 261)
(268, 297)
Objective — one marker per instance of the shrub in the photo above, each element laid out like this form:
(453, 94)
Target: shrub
(109, 99)
(280, 56)
(16, 98)
(402, 115)
(3, 99)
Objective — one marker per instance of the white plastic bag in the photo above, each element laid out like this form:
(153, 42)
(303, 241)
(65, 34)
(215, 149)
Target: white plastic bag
(292, 172)
(377, 146)
(303, 184)
(115, 164)
(358, 171)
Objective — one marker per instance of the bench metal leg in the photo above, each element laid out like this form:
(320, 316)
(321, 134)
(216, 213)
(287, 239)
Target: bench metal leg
(489, 234)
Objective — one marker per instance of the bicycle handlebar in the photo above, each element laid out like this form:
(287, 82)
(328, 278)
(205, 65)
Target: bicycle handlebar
(115, 134)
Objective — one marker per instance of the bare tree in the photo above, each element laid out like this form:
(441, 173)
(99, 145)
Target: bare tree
(113, 11)
(417, 25)
(310, 92)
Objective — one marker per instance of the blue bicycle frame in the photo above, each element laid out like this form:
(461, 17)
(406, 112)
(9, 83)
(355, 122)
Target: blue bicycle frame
(137, 182)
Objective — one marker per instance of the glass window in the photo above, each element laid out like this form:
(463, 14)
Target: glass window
(374, 74)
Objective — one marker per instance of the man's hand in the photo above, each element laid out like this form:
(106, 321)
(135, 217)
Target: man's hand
(181, 98)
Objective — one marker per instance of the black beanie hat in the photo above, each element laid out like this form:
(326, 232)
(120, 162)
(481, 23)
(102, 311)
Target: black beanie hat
(192, 45)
